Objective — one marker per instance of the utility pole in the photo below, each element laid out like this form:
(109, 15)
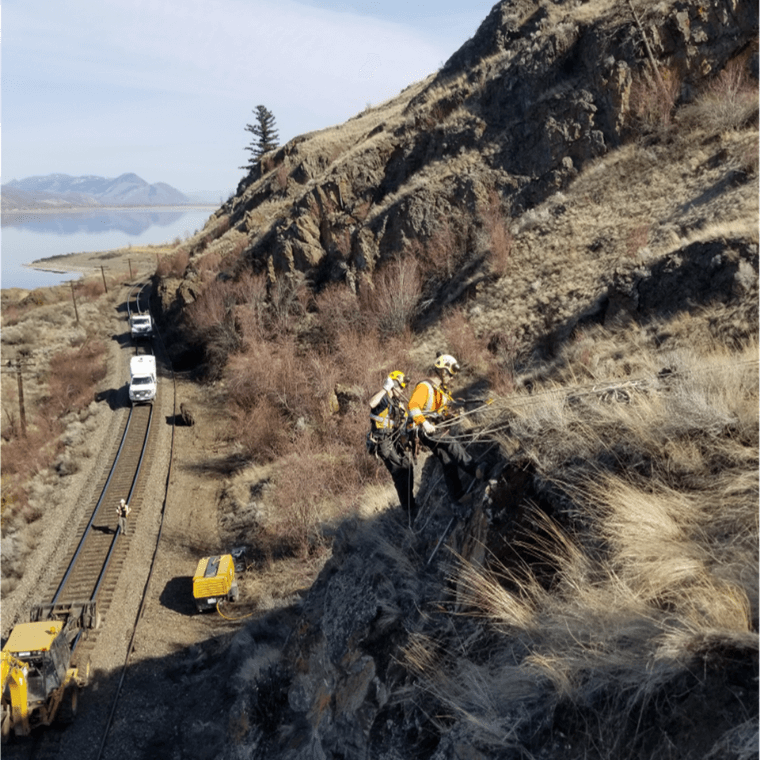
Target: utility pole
(74, 298)
(21, 409)
(131, 276)
(103, 272)
(16, 366)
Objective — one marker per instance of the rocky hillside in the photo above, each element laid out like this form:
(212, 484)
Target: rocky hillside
(574, 196)
(61, 191)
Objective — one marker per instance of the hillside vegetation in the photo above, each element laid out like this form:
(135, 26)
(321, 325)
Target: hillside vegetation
(570, 207)
(580, 229)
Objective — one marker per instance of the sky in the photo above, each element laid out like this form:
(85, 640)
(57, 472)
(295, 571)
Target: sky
(164, 88)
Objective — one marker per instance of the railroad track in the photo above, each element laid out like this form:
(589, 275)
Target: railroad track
(93, 566)
(91, 570)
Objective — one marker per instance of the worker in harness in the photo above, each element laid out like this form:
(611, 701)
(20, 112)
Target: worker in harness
(387, 436)
(430, 405)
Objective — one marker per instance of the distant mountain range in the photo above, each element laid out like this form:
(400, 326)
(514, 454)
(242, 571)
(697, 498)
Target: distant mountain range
(61, 191)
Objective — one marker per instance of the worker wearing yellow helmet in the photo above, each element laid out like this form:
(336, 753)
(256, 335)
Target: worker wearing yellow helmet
(387, 436)
(430, 405)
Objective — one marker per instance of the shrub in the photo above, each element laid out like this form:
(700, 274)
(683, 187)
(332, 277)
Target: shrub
(392, 301)
(636, 239)
(173, 265)
(440, 255)
(337, 311)
(260, 430)
(470, 351)
(729, 101)
(74, 375)
(211, 319)
(313, 485)
(90, 288)
(653, 98)
(498, 238)
(250, 291)
(289, 296)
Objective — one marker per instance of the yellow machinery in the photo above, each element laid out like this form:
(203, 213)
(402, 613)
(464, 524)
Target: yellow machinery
(39, 683)
(214, 582)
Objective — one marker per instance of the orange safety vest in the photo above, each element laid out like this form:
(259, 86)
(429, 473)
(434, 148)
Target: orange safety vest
(428, 400)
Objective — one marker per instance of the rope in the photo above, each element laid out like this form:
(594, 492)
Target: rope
(242, 617)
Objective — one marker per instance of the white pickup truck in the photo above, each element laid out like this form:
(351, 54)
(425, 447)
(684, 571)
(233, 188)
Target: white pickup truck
(141, 326)
(142, 379)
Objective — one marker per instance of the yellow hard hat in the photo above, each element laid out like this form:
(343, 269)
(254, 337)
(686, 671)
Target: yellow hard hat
(398, 377)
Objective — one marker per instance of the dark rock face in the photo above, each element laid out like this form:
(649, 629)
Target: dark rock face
(535, 95)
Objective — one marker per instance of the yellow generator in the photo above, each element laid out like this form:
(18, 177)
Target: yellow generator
(39, 683)
(214, 582)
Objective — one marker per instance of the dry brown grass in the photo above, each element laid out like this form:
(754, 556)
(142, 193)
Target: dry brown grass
(653, 566)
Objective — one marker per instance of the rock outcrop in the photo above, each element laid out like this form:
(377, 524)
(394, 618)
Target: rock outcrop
(528, 144)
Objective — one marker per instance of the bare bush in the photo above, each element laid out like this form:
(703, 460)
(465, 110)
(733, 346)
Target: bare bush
(653, 98)
(289, 296)
(470, 351)
(440, 256)
(251, 315)
(173, 265)
(729, 101)
(319, 493)
(392, 300)
(74, 376)
(261, 431)
(211, 319)
(337, 311)
(498, 241)
(91, 289)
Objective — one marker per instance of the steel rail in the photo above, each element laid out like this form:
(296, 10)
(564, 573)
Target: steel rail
(86, 533)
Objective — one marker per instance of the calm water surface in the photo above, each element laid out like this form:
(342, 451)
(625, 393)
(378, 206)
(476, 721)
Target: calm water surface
(28, 237)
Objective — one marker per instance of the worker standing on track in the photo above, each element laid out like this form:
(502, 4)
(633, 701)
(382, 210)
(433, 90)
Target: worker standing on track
(123, 511)
(429, 405)
(387, 436)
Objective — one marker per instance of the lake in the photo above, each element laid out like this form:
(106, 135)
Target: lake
(30, 236)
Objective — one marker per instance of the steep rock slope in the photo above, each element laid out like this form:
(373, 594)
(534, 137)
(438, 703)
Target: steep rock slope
(540, 92)
(586, 236)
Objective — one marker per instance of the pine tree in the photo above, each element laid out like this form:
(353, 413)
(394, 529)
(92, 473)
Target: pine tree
(266, 136)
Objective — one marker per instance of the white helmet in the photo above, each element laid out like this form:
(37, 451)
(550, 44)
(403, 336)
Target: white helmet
(447, 362)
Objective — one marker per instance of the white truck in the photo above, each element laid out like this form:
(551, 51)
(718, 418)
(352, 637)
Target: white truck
(142, 379)
(141, 326)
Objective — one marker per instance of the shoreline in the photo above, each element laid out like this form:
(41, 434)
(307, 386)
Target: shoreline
(90, 209)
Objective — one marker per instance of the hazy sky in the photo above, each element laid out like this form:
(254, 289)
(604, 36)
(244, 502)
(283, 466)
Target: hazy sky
(164, 88)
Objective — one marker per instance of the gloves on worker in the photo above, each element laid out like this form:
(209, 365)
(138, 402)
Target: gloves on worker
(389, 384)
(428, 427)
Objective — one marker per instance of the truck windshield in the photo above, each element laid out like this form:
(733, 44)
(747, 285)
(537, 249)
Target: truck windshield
(141, 380)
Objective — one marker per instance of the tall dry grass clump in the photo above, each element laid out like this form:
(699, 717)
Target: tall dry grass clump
(636, 567)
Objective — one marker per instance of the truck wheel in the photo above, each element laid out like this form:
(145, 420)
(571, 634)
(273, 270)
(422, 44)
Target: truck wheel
(69, 705)
(234, 592)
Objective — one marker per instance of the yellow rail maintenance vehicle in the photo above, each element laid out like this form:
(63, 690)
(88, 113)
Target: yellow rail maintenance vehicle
(40, 685)
(214, 582)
